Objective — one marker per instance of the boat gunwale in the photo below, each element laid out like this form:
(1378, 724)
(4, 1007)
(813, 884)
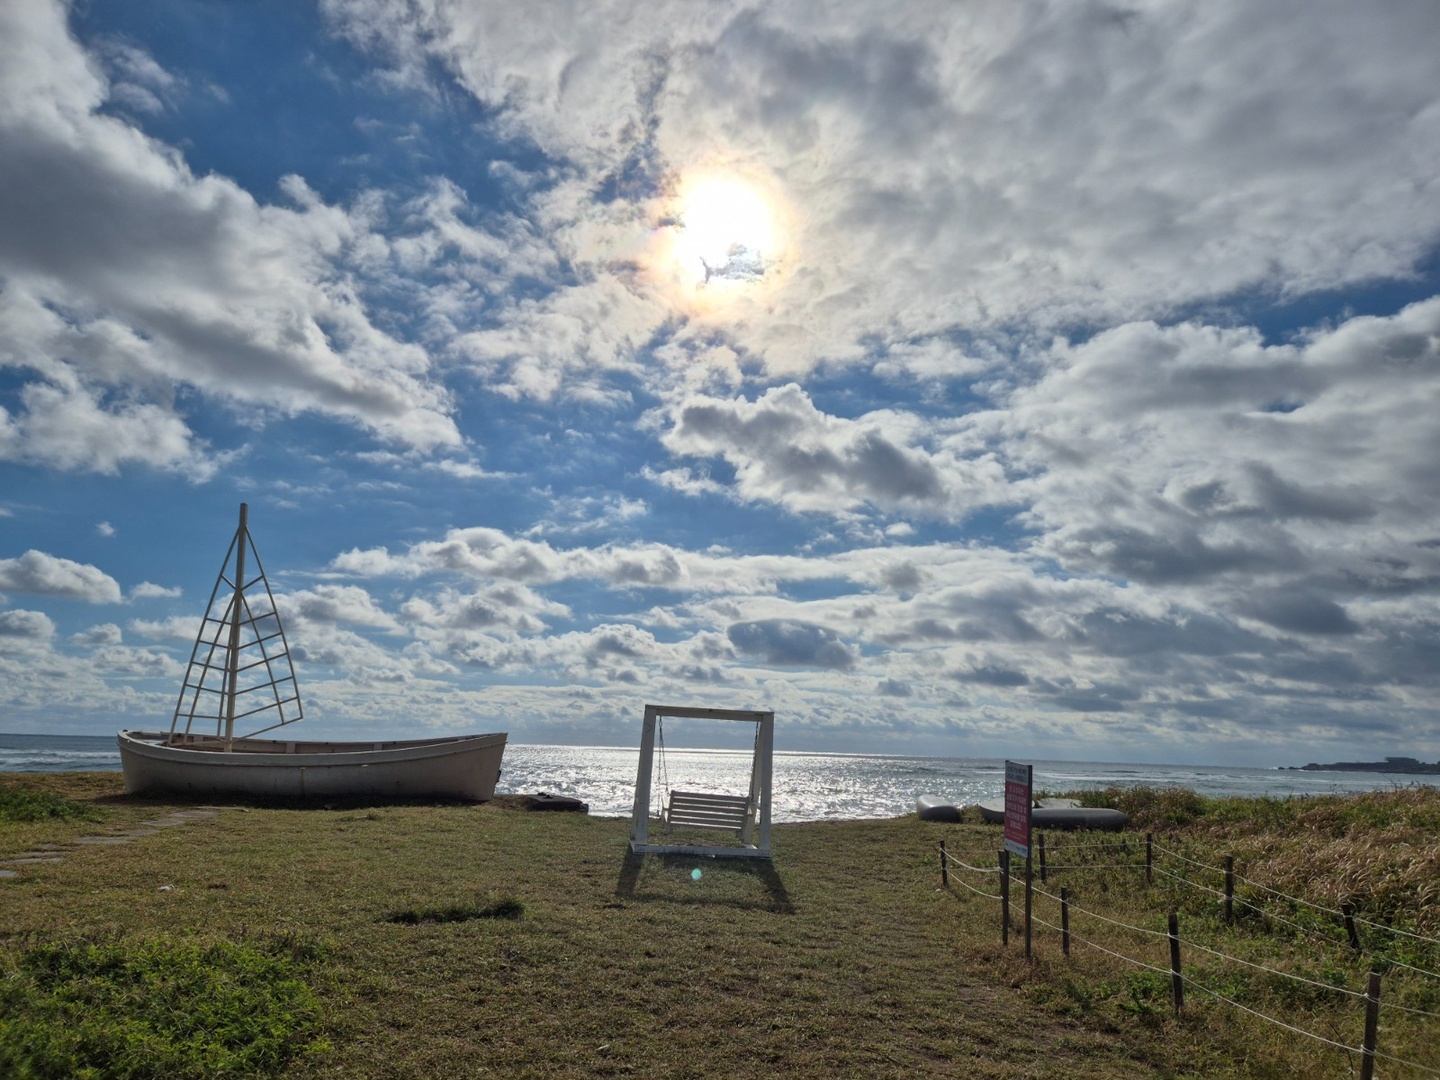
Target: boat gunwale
(149, 744)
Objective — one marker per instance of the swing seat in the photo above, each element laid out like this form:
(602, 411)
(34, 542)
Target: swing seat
(699, 810)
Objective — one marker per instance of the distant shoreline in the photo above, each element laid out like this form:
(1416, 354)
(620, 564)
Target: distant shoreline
(1399, 766)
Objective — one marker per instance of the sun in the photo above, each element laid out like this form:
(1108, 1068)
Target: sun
(721, 246)
(725, 231)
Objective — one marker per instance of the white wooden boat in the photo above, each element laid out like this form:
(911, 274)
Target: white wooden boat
(457, 767)
(240, 670)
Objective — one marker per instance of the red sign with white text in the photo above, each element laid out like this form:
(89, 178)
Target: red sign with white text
(1018, 786)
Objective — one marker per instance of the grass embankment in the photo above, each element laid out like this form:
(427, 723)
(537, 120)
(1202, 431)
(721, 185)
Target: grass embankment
(484, 941)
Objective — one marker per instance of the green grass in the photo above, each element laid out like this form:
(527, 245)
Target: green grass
(154, 1008)
(842, 957)
(461, 912)
(21, 803)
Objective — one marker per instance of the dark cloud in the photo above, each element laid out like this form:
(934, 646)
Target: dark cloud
(1300, 613)
(789, 643)
(992, 675)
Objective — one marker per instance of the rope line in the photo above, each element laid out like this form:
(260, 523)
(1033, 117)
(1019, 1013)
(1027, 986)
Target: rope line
(1193, 884)
(1298, 900)
(1287, 896)
(1408, 1009)
(1270, 1019)
(978, 892)
(1393, 930)
(1101, 948)
(1078, 847)
(1099, 866)
(1183, 858)
(1196, 945)
(1102, 918)
(1243, 1008)
(1275, 971)
(1412, 967)
(950, 858)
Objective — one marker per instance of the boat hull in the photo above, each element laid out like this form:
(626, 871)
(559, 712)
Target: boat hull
(1060, 814)
(456, 767)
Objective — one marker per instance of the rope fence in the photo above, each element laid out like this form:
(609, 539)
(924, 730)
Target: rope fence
(1369, 1050)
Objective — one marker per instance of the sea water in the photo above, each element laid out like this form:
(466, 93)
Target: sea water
(807, 786)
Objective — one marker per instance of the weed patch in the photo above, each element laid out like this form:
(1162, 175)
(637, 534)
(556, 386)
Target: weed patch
(155, 1008)
(21, 804)
(500, 909)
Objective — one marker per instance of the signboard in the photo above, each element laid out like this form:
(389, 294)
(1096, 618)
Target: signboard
(1018, 784)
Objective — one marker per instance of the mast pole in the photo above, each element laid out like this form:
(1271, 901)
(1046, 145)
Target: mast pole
(237, 605)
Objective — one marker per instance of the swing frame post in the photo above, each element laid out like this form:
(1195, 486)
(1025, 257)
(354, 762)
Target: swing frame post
(755, 832)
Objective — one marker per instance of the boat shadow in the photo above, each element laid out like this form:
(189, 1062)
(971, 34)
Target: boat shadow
(777, 897)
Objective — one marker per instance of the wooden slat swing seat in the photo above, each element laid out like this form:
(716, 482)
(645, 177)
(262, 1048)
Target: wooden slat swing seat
(702, 810)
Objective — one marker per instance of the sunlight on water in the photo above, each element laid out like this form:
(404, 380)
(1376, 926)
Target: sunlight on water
(816, 787)
(808, 787)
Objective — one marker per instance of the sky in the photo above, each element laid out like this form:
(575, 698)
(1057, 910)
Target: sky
(1028, 378)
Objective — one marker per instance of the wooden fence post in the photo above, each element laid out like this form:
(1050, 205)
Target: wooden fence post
(1348, 911)
(1004, 897)
(1372, 1026)
(1029, 902)
(1065, 919)
(944, 867)
(1229, 889)
(1040, 838)
(1177, 982)
(1149, 859)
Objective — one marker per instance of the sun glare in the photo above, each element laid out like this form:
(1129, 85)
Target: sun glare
(724, 242)
(725, 228)
(723, 234)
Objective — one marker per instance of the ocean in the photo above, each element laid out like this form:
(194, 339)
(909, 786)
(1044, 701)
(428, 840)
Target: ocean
(807, 786)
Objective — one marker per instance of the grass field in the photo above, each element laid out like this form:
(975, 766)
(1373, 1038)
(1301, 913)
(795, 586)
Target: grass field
(456, 941)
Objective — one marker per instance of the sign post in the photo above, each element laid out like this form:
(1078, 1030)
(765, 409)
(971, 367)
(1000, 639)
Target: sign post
(1019, 787)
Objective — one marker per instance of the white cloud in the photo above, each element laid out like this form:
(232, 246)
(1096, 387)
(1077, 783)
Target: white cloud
(785, 450)
(1192, 454)
(47, 575)
(334, 604)
(974, 166)
(102, 634)
(148, 590)
(144, 277)
(18, 627)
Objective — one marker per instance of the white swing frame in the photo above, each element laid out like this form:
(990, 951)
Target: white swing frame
(755, 835)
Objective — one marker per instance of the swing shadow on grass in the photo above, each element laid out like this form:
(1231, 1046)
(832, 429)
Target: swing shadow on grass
(676, 869)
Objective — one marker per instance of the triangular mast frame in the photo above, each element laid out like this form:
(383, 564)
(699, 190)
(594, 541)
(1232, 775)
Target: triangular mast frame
(237, 670)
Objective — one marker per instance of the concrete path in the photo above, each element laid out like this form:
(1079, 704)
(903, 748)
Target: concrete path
(12, 866)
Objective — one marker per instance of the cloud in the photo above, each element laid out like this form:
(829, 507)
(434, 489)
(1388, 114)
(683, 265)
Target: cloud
(1159, 454)
(70, 428)
(1188, 152)
(46, 575)
(126, 276)
(334, 604)
(148, 590)
(26, 626)
(786, 451)
(103, 634)
(786, 643)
